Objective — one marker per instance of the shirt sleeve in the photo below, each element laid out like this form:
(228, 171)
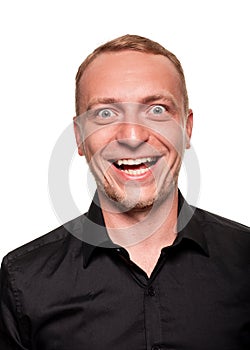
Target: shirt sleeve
(10, 327)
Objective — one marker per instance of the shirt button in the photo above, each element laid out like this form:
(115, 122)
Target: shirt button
(156, 347)
(151, 292)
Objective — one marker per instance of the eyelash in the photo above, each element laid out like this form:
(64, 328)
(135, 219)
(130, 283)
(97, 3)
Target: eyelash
(160, 105)
(164, 115)
(97, 113)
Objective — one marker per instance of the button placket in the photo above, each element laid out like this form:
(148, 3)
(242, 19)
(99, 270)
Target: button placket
(156, 347)
(152, 316)
(151, 291)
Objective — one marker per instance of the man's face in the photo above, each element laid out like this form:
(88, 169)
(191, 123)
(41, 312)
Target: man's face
(133, 126)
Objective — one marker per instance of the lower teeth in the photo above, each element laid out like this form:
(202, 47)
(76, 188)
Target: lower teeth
(136, 172)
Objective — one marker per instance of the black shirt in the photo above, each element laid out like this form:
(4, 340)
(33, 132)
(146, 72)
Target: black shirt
(59, 292)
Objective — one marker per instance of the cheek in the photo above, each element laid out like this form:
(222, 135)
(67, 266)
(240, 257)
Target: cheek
(172, 135)
(95, 142)
(91, 147)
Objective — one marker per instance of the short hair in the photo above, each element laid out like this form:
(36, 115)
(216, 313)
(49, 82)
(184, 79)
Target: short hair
(133, 43)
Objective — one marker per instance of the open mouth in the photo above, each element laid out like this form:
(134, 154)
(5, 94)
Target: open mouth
(137, 166)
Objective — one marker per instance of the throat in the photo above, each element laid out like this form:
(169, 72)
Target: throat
(147, 262)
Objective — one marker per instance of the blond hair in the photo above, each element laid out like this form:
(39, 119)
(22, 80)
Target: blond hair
(133, 43)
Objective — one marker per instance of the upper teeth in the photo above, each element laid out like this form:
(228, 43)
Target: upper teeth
(134, 161)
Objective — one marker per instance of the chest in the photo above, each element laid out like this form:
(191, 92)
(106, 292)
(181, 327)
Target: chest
(187, 305)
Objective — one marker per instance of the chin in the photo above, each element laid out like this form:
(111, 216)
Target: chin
(125, 202)
(129, 204)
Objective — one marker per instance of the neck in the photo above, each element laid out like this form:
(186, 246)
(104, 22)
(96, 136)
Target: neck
(152, 227)
(143, 232)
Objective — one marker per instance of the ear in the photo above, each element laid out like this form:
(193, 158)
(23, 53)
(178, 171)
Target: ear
(78, 136)
(189, 127)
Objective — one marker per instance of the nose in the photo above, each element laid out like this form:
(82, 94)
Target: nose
(132, 135)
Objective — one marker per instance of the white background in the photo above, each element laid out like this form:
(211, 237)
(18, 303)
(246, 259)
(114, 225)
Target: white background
(42, 45)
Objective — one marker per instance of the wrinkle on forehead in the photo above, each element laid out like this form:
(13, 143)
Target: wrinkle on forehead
(164, 97)
(130, 76)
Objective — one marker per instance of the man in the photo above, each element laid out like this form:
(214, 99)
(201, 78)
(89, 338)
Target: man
(142, 269)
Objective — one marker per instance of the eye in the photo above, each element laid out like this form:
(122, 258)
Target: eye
(158, 110)
(159, 113)
(105, 113)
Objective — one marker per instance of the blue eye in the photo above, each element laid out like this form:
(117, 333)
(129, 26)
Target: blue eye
(105, 113)
(158, 109)
(159, 113)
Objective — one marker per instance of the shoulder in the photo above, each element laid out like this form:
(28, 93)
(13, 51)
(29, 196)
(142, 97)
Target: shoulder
(226, 239)
(221, 224)
(39, 245)
(43, 269)
(44, 249)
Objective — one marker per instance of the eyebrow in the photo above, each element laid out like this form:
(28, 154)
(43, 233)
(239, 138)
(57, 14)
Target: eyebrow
(102, 100)
(163, 97)
(145, 100)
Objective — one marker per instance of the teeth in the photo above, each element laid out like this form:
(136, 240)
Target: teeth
(136, 172)
(134, 161)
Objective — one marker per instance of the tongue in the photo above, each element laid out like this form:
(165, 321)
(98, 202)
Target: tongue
(134, 167)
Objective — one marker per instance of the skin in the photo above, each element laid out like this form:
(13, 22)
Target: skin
(135, 110)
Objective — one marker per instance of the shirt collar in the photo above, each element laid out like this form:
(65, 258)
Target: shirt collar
(92, 231)
(189, 224)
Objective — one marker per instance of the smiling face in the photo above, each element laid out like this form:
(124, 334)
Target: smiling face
(133, 128)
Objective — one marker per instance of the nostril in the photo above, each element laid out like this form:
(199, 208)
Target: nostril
(131, 143)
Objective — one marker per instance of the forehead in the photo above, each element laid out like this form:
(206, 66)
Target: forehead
(129, 76)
